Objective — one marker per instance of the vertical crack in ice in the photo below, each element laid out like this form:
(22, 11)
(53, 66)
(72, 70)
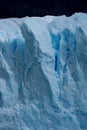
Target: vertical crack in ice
(56, 46)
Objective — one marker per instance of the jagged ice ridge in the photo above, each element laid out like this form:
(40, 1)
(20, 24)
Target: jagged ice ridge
(43, 73)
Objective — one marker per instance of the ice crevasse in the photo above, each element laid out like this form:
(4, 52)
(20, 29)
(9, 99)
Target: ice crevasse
(43, 73)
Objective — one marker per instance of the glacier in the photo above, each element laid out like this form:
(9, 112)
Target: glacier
(43, 73)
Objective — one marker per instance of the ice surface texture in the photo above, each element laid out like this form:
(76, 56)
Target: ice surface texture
(43, 73)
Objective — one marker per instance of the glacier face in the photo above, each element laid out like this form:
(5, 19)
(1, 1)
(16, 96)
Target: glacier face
(43, 73)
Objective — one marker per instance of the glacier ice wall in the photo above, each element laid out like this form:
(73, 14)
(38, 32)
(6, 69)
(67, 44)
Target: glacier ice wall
(43, 73)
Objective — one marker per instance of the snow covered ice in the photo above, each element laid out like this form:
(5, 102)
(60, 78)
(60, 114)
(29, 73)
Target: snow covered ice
(43, 73)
